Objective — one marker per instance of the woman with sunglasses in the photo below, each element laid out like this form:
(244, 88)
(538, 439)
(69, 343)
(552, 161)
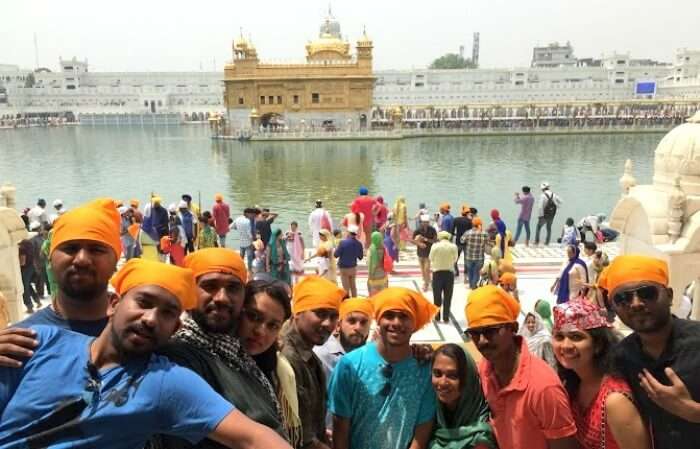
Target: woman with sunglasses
(602, 402)
(462, 412)
(265, 309)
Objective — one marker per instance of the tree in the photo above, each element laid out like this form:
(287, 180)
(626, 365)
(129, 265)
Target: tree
(452, 61)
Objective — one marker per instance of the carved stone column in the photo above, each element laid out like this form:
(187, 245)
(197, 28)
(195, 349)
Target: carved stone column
(627, 181)
(676, 210)
(12, 231)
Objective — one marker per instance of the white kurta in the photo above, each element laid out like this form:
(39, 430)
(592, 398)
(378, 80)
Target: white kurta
(315, 224)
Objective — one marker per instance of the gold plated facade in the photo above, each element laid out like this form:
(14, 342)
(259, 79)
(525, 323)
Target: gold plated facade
(332, 83)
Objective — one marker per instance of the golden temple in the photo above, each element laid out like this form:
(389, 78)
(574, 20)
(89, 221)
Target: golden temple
(332, 88)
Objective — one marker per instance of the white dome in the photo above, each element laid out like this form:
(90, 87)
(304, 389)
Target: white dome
(678, 154)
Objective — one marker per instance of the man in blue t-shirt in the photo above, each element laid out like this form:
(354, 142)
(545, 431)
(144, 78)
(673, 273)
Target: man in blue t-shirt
(379, 395)
(111, 391)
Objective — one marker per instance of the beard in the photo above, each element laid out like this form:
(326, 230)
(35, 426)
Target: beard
(82, 293)
(209, 325)
(350, 344)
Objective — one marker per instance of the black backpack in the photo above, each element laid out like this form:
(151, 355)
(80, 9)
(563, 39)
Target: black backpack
(550, 207)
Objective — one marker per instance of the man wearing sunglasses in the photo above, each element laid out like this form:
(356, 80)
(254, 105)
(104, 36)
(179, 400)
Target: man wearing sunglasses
(379, 394)
(661, 359)
(315, 304)
(206, 343)
(529, 406)
(112, 391)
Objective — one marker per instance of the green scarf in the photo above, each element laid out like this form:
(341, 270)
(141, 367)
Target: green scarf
(471, 418)
(272, 244)
(376, 246)
(544, 310)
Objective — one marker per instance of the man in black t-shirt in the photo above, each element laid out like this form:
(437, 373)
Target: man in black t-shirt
(462, 224)
(263, 224)
(424, 237)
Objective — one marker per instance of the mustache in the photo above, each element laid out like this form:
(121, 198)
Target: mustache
(142, 330)
(218, 306)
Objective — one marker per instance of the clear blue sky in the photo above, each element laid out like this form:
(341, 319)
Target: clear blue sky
(176, 35)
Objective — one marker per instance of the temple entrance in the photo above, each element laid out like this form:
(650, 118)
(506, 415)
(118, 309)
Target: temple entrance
(272, 120)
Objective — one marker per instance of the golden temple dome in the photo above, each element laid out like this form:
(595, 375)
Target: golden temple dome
(364, 40)
(327, 44)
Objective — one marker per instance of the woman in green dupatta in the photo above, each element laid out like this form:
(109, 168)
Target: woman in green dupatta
(377, 279)
(544, 310)
(278, 257)
(462, 412)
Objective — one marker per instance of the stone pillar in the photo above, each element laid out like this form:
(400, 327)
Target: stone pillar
(695, 311)
(12, 231)
(7, 196)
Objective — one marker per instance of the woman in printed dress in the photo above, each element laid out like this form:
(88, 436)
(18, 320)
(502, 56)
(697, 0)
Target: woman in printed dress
(602, 403)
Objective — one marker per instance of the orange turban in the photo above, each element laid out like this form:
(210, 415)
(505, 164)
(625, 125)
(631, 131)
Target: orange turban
(489, 305)
(98, 221)
(445, 206)
(176, 280)
(508, 279)
(216, 260)
(218, 197)
(406, 300)
(633, 268)
(476, 222)
(465, 209)
(134, 203)
(362, 305)
(315, 292)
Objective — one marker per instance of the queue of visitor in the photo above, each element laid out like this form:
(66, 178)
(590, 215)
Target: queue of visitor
(202, 349)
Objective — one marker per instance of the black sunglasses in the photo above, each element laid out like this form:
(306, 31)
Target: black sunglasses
(488, 332)
(387, 371)
(646, 293)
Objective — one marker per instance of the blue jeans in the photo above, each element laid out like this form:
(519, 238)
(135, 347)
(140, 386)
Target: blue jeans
(248, 252)
(526, 224)
(472, 267)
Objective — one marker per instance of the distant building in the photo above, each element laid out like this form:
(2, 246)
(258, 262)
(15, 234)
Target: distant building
(553, 55)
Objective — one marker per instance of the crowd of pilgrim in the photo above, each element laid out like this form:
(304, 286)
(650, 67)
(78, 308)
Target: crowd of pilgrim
(167, 356)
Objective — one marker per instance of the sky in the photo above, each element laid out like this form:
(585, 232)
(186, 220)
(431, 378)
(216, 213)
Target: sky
(159, 35)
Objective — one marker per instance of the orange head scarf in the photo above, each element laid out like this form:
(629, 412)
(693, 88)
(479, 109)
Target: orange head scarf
(476, 222)
(176, 280)
(315, 292)
(216, 260)
(412, 302)
(490, 305)
(633, 268)
(362, 305)
(98, 220)
(508, 279)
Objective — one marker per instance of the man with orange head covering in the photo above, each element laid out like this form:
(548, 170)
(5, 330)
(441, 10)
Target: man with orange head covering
(379, 394)
(520, 386)
(207, 343)
(659, 359)
(221, 213)
(475, 241)
(85, 247)
(315, 307)
(112, 391)
(354, 322)
(462, 224)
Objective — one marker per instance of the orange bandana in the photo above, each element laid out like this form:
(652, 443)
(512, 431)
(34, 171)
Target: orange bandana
(176, 280)
(362, 305)
(315, 292)
(633, 268)
(410, 301)
(490, 305)
(97, 220)
(508, 279)
(216, 260)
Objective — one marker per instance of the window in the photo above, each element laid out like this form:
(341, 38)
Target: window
(70, 87)
(279, 99)
(296, 99)
(271, 99)
(262, 99)
(315, 98)
(240, 100)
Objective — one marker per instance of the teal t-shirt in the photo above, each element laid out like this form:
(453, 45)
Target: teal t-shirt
(45, 403)
(377, 420)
